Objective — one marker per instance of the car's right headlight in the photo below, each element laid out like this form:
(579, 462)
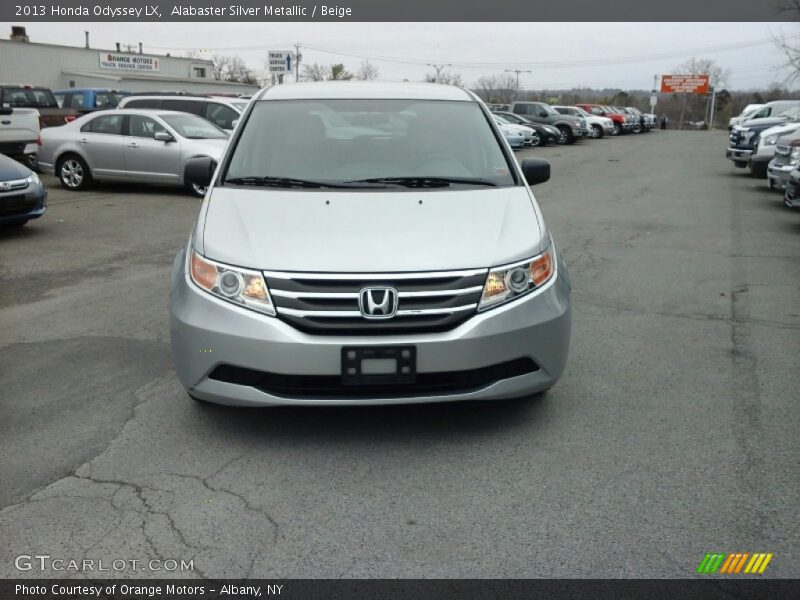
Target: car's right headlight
(240, 286)
(770, 141)
(509, 282)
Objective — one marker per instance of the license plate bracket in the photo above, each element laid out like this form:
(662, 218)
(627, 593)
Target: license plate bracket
(367, 365)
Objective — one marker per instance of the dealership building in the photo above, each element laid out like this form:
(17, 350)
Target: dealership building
(57, 67)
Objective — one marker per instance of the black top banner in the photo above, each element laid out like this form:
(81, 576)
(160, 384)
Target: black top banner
(405, 10)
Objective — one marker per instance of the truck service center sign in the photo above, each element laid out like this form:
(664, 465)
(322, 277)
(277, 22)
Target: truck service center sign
(684, 84)
(112, 61)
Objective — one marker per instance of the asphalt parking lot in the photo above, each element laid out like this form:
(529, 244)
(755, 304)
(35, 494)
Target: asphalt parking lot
(673, 433)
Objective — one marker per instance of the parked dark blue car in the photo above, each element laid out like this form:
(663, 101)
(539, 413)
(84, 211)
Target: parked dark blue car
(89, 99)
(22, 195)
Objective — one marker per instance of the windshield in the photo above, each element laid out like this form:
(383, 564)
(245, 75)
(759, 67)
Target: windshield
(240, 105)
(502, 120)
(581, 112)
(193, 127)
(342, 141)
(25, 97)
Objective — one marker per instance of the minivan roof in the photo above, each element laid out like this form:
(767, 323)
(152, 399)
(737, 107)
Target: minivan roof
(365, 90)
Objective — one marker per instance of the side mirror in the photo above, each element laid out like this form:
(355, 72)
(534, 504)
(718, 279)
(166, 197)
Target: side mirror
(535, 170)
(542, 113)
(163, 136)
(200, 170)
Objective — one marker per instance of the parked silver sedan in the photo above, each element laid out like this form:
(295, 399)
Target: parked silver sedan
(147, 146)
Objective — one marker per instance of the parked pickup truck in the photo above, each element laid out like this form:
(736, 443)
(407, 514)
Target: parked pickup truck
(40, 98)
(743, 149)
(621, 124)
(571, 127)
(89, 99)
(19, 132)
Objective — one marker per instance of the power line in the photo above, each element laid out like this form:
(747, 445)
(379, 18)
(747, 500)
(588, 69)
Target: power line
(593, 62)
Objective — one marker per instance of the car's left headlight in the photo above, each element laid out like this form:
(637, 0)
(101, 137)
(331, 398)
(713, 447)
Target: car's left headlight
(508, 282)
(240, 286)
(34, 179)
(770, 141)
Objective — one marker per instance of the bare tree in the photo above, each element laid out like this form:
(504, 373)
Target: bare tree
(507, 87)
(444, 77)
(717, 76)
(367, 71)
(315, 72)
(338, 72)
(486, 87)
(231, 68)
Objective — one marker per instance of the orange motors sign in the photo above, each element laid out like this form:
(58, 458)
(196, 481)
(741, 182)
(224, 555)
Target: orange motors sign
(684, 84)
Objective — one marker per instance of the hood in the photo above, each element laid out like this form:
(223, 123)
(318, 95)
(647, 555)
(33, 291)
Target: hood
(363, 231)
(779, 130)
(761, 124)
(514, 129)
(11, 170)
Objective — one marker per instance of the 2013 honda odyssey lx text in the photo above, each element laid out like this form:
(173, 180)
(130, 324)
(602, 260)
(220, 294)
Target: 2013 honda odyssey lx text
(368, 243)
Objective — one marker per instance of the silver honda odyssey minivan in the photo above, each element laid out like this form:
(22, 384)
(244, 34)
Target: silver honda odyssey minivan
(368, 243)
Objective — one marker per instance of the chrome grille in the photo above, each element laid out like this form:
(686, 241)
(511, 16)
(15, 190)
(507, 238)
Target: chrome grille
(328, 303)
(14, 186)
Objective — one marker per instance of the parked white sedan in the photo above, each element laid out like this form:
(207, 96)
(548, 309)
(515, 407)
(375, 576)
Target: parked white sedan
(146, 146)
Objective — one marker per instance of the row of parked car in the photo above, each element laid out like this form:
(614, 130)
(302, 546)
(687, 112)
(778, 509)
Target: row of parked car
(539, 123)
(81, 135)
(765, 138)
(27, 109)
(84, 135)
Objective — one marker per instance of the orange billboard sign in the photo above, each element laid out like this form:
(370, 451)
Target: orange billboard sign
(684, 84)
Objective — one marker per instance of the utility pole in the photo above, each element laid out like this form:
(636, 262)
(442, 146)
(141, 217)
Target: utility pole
(439, 69)
(713, 101)
(518, 71)
(297, 57)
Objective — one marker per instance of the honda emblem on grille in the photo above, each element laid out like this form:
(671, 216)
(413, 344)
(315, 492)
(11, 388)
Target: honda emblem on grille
(4, 186)
(378, 302)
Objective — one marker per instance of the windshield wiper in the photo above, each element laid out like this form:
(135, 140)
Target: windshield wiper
(280, 182)
(426, 181)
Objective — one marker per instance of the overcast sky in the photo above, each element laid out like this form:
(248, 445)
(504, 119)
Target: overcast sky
(621, 55)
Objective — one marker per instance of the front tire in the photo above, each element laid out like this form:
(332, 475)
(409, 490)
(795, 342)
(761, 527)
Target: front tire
(566, 135)
(73, 173)
(617, 129)
(196, 190)
(597, 132)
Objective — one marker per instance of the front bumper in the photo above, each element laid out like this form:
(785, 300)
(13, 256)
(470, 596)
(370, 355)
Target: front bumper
(791, 196)
(23, 205)
(207, 332)
(738, 155)
(778, 176)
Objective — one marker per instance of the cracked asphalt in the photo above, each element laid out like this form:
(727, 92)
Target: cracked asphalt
(674, 431)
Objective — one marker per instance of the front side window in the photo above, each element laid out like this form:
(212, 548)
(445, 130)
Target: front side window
(76, 100)
(143, 127)
(380, 141)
